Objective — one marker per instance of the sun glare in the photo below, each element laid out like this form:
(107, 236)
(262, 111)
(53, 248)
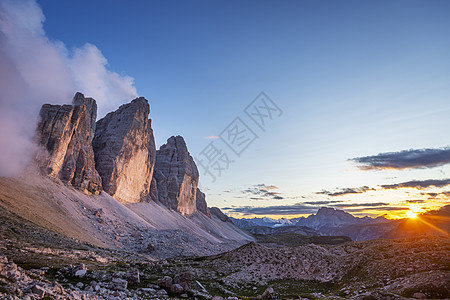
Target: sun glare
(410, 214)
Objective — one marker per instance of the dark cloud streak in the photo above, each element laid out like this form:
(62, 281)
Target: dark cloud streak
(376, 204)
(263, 192)
(407, 159)
(305, 208)
(418, 184)
(346, 191)
(273, 210)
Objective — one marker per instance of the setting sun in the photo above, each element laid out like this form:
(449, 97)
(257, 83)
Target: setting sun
(410, 214)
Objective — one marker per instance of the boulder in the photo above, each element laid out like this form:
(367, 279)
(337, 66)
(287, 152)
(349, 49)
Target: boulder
(124, 148)
(176, 176)
(176, 289)
(38, 290)
(165, 282)
(133, 276)
(161, 293)
(80, 273)
(118, 284)
(269, 293)
(184, 279)
(65, 133)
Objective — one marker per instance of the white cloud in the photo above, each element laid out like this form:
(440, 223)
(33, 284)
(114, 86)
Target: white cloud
(35, 70)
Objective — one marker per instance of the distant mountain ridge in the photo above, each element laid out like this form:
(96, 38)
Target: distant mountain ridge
(265, 221)
(327, 217)
(335, 222)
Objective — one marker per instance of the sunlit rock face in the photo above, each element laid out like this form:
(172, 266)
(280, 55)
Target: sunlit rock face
(176, 176)
(124, 148)
(65, 132)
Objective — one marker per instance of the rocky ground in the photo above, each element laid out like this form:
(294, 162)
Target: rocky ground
(379, 269)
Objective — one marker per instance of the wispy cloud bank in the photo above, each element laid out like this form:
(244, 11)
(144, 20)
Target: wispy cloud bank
(346, 191)
(35, 70)
(296, 209)
(415, 201)
(322, 202)
(407, 159)
(445, 195)
(347, 205)
(263, 192)
(377, 208)
(418, 184)
(309, 208)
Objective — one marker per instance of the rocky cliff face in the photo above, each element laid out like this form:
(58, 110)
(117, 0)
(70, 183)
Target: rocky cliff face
(65, 132)
(219, 214)
(201, 204)
(176, 176)
(91, 106)
(125, 151)
(118, 154)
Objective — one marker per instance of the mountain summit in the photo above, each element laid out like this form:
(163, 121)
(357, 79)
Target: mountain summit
(117, 154)
(65, 133)
(328, 217)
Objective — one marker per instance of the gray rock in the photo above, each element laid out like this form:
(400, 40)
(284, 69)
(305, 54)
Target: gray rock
(119, 274)
(125, 151)
(148, 291)
(79, 285)
(215, 211)
(161, 293)
(165, 282)
(80, 273)
(201, 204)
(65, 134)
(176, 288)
(269, 293)
(119, 284)
(57, 287)
(176, 176)
(38, 290)
(133, 276)
(184, 279)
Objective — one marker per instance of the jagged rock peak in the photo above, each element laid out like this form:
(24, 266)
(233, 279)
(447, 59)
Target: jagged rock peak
(201, 204)
(125, 151)
(65, 132)
(219, 214)
(176, 176)
(91, 107)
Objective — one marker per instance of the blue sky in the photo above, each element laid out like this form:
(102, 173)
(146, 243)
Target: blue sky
(353, 79)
